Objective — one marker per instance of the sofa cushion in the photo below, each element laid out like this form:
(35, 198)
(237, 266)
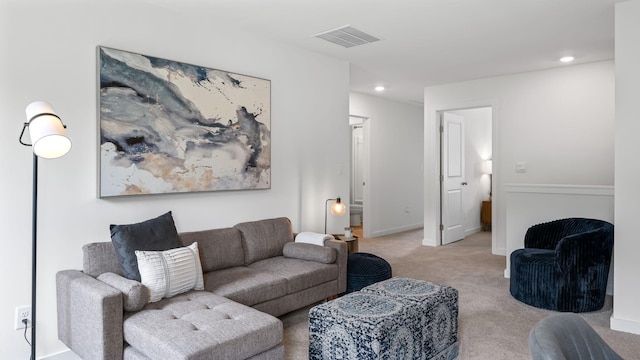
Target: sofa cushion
(134, 295)
(98, 258)
(245, 285)
(170, 272)
(302, 251)
(300, 274)
(200, 325)
(265, 238)
(219, 248)
(156, 234)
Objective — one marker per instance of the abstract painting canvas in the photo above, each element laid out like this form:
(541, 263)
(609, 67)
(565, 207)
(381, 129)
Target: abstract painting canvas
(171, 127)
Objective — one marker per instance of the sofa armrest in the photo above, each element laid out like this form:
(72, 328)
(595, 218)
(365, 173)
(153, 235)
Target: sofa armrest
(341, 260)
(90, 316)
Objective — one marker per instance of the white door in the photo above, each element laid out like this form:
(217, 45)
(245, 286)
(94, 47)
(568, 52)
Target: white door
(357, 161)
(453, 177)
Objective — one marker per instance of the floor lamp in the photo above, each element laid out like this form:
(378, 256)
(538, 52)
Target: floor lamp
(48, 140)
(338, 208)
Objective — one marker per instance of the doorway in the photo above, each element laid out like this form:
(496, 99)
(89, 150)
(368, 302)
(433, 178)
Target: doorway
(359, 171)
(465, 180)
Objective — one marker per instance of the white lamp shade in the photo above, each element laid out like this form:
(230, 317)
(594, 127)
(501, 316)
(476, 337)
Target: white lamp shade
(488, 166)
(48, 135)
(338, 208)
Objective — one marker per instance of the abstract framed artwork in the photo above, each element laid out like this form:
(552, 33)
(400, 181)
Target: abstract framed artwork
(170, 127)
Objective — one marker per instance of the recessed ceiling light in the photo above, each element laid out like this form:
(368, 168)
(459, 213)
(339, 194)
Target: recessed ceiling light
(567, 59)
(379, 88)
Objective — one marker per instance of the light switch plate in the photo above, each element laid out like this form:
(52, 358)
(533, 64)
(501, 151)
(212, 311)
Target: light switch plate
(521, 166)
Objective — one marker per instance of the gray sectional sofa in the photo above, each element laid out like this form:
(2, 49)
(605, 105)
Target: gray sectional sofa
(252, 272)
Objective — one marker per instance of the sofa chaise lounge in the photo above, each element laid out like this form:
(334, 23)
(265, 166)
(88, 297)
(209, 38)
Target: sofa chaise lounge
(252, 272)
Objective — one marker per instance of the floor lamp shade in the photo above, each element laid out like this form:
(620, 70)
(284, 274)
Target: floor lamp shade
(338, 208)
(48, 135)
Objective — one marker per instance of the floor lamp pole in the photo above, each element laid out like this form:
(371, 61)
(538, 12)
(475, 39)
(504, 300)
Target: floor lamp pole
(34, 255)
(325, 214)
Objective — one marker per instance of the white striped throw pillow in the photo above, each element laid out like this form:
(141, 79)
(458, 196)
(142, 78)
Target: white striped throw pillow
(170, 272)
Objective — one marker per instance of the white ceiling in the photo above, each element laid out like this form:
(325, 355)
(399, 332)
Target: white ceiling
(426, 42)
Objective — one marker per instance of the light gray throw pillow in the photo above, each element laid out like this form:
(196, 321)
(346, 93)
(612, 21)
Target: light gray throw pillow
(134, 295)
(303, 251)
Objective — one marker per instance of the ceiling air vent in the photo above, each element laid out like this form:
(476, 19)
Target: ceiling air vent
(347, 36)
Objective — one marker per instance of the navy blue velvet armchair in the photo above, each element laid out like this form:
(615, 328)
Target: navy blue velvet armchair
(564, 265)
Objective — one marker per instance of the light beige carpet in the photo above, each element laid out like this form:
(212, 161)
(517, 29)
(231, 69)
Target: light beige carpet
(492, 324)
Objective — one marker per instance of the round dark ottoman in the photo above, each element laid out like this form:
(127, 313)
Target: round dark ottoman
(364, 269)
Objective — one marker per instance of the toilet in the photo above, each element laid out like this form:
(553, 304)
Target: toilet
(355, 212)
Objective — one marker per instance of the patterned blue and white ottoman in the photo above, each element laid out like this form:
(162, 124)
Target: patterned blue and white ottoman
(397, 318)
(435, 305)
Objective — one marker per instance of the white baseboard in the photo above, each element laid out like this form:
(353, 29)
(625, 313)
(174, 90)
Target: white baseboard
(472, 231)
(65, 355)
(396, 230)
(629, 326)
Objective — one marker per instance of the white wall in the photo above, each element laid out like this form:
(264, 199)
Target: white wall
(626, 312)
(559, 121)
(477, 133)
(49, 53)
(395, 183)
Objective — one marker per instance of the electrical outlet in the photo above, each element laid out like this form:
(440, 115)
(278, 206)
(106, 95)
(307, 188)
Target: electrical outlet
(23, 312)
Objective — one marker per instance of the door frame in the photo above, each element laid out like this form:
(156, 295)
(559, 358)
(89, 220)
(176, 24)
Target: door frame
(432, 174)
(363, 158)
(367, 199)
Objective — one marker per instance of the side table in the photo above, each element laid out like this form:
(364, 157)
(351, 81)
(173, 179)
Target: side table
(352, 243)
(485, 215)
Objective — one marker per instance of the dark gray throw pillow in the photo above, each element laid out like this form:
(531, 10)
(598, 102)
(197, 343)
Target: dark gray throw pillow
(157, 234)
